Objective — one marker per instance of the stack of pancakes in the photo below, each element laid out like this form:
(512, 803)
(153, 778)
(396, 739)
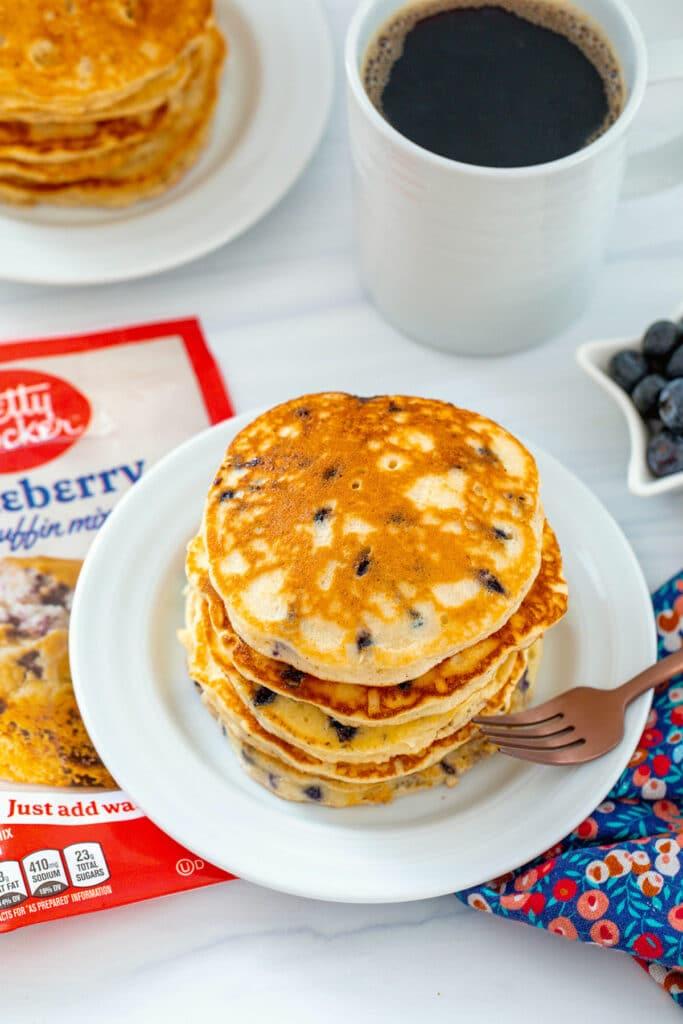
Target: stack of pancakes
(370, 574)
(103, 103)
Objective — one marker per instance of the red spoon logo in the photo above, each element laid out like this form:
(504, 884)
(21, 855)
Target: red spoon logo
(40, 417)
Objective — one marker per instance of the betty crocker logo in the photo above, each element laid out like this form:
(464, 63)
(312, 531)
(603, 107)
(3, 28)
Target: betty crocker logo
(40, 417)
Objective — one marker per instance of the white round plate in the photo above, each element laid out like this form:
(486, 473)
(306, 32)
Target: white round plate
(165, 749)
(275, 97)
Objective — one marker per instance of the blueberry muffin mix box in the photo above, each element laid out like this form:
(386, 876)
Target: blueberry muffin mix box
(81, 420)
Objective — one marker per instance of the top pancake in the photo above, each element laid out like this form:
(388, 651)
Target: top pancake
(365, 540)
(57, 54)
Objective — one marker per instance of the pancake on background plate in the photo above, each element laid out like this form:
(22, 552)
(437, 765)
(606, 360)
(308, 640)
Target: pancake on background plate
(369, 575)
(103, 103)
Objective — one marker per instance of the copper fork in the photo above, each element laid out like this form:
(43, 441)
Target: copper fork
(579, 725)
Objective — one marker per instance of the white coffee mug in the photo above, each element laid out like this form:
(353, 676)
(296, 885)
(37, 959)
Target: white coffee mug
(482, 260)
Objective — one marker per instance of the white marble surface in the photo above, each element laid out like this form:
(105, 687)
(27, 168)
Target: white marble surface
(284, 312)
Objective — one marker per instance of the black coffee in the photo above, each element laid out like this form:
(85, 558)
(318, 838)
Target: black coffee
(505, 84)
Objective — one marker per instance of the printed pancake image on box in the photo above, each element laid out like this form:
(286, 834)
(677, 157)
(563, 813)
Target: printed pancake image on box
(82, 418)
(42, 738)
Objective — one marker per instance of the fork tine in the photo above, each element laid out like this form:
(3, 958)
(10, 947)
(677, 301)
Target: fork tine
(564, 756)
(532, 716)
(557, 726)
(517, 742)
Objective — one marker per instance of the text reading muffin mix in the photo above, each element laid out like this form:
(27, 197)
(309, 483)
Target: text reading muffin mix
(81, 420)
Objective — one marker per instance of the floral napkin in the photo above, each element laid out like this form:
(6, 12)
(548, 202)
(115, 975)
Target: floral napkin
(617, 880)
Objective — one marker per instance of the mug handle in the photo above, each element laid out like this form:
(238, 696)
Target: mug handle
(661, 166)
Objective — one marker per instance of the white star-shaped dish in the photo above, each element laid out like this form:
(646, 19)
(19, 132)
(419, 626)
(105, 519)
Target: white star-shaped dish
(594, 357)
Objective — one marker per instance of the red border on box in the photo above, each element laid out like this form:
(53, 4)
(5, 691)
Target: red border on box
(211, 384)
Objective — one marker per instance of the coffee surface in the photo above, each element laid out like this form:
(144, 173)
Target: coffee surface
(505, 85)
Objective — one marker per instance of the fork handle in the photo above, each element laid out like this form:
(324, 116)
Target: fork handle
(652, 676)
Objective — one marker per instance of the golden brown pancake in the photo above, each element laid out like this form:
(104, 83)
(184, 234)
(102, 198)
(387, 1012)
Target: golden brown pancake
(366, 540)
(143, 99)
(289, 783)
(447, 685)
(57, 142)
(140, 166)
(141, 152)
(310, 729)
(103, 104)
(220, 695)
(85, 54)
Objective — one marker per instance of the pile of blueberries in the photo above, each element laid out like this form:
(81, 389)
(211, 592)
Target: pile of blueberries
(653, 378)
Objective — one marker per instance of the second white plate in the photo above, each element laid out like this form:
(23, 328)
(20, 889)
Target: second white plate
(164, 748)
(275, 97)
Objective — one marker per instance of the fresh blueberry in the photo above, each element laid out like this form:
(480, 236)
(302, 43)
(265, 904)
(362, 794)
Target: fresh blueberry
(665, 453)
(674, 368)
(659, 341)
(646, 393)
(627, 368)
(671, 406)
(655, 426)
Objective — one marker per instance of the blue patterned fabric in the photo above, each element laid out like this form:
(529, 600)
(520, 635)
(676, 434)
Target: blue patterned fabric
(617, 880)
